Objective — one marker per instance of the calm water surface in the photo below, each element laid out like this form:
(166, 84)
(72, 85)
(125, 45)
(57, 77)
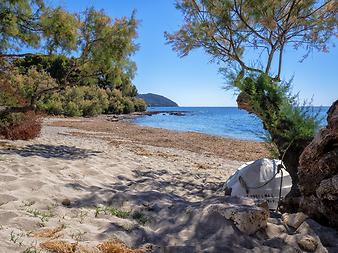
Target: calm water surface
(220, 121)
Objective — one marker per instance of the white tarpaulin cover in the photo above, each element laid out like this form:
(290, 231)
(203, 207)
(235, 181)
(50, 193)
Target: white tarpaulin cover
(260, 179)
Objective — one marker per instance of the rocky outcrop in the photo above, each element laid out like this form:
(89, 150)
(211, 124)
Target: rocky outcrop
(247, 218)
(318, 173)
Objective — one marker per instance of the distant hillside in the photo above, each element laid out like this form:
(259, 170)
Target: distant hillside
(155, 100)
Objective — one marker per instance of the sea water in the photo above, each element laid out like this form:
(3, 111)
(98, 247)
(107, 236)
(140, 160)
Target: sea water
(228, 122)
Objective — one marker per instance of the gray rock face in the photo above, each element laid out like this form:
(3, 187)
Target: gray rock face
(248, 219)
(318, 173)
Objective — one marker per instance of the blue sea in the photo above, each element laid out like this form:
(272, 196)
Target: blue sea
(219, 121)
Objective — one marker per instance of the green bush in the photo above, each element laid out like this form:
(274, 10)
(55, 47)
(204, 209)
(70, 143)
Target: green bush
(287, 122)
(72, 109)
(52, 105)
(119, 104)
(76, 101)
(128, 105)
(57, 66)
(140, 105)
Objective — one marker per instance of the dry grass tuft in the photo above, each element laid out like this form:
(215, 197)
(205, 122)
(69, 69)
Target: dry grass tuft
(116, 247)
(111, 246)
(48, 232)
(57, 246)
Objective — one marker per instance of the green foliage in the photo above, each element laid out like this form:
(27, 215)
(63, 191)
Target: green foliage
(286, 121)
(140, 217)
(59, 30)
(76, 101)
(32, 85)
(19, 20)
(119, 104)
(58, 67)
(228, 30)
(139, 104)
(112, 211)
(98, 80)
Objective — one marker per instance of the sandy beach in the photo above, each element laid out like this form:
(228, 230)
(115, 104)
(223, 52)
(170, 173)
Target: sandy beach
(84, 181)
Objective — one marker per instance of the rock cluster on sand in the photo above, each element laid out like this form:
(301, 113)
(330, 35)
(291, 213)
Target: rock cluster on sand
(318, 173)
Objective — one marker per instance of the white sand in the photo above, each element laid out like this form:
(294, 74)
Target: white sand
(35, 177)
(158, 193)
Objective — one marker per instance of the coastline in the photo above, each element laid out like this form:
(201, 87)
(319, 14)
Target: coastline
(121, 126)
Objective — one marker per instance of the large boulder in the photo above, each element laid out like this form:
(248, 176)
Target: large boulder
(318, 179)
(247, 218)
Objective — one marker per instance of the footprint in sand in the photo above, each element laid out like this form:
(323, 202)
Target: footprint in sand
(4, 178)
(33, 184)
(5, 198)
(5, 217)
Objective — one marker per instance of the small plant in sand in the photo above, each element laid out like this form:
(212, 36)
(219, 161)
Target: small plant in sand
(123, 214)
(140, 217)
(16, 238)
(112, 211)
(82, 215)
(27, 203)
(78, 235)
(43, 216)
(31, 249)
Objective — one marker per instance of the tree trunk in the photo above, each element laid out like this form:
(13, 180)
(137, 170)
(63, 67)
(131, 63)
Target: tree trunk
(290, 158)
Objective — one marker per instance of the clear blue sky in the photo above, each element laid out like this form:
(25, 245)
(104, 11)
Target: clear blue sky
(193, 81)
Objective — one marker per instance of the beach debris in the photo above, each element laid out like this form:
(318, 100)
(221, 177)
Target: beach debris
(263, 179)
(48, 232)
(58, 246)
(116, 246)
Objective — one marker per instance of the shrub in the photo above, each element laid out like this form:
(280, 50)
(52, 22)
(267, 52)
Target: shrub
(72, 109)
(20, 126)
(128, 105)
(51, 105)
(140, 105)
(57, 66)
(76, 102)
(31, 85)
(119, 104)
(287, 122)
(115, 102)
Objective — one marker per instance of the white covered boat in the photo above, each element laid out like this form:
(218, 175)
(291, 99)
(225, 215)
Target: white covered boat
(263, 179)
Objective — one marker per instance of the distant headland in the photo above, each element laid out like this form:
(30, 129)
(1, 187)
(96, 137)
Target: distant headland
(154, 100)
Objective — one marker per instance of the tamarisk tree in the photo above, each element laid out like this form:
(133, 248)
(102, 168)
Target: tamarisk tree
(249, 38)
(46, 39)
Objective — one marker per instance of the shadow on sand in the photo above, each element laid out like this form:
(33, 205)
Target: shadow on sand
(172, 204)
(50, 151)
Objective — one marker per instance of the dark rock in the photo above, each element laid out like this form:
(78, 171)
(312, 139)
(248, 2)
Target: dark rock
(66, 202)
(177, 113)
(277, 243)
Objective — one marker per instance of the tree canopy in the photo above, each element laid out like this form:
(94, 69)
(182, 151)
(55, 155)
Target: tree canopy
(68, 51)
(231, 30)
